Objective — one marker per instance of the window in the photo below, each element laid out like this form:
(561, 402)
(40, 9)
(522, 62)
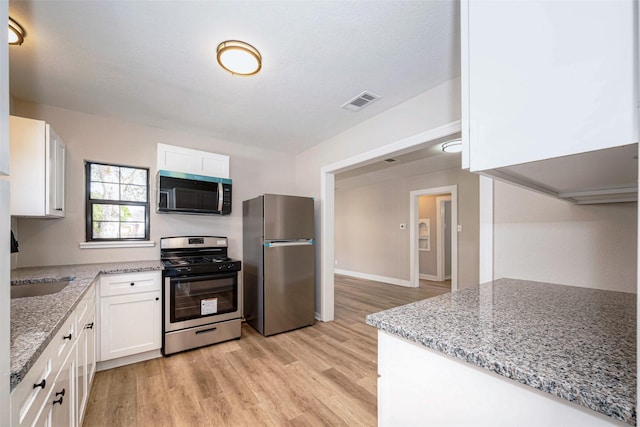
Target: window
(117, 202)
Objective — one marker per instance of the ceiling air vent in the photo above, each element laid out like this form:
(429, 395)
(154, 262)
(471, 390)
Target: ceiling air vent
(360, 101)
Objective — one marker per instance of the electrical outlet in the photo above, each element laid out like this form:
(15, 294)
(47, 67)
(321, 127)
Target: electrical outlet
(403, 226)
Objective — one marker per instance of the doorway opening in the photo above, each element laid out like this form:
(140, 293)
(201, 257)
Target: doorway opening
(434, 242)
(327, 188)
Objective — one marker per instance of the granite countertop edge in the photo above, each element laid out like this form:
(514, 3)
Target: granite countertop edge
(560, 389)
(36, 320)
(484, 358)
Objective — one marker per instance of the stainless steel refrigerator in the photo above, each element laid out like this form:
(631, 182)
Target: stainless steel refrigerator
(278, 262)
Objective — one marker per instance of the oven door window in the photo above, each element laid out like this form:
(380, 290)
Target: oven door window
(201, 296)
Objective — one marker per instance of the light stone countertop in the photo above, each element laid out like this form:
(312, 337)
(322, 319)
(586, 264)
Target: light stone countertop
(575, 343)
(36, 320)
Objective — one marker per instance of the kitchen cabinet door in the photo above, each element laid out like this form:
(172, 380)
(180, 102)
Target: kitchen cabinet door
(187, 160)
(86, 364)
(4, 103)
(130, 324)
(544, 79)
(38, 158)
(57, 159)
(59, 409)
(62, 399)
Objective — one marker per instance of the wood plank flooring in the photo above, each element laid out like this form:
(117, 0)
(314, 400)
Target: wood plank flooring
(322, 375)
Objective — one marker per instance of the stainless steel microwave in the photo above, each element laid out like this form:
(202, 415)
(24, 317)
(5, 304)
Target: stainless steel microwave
(193, 194)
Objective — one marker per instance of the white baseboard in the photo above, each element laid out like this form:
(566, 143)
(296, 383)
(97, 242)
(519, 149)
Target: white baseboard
(428, 277)
(127, 360)
(374, 277)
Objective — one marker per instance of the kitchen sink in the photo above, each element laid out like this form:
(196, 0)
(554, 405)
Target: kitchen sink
(38, 289)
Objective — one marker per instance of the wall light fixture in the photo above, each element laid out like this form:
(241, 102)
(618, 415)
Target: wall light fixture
(16, 32)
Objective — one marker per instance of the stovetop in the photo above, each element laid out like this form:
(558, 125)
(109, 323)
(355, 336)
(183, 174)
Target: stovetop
(196, 255)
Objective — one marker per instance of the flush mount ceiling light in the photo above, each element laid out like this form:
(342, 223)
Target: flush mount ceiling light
(239, 58)
(16, 32)
(453, 146)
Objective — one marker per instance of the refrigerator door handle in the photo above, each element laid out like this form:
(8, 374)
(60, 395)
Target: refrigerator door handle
(279, 244)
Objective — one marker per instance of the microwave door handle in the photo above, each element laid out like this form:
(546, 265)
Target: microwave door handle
(220, 196)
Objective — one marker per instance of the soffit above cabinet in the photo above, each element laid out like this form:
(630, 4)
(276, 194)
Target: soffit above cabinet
(601, 176)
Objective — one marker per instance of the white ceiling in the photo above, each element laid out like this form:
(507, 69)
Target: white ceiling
(153, 62)
(423, 159)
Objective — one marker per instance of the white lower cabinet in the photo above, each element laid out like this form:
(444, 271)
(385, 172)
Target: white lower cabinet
(418, 386)
(48, 394)
(130, 314)
(59, 408)
(62, 401)
(86, 365)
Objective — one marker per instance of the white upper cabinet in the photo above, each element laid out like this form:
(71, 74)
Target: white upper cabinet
(196, 162)
(4, 99)
(37, 169)
(551, 80)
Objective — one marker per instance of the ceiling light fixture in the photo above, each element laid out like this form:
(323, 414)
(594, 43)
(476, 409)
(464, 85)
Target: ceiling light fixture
(239, 58)
(453, 146)
(16, 32)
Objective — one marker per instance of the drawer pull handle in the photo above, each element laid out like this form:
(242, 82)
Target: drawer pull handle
(206, 330)
(59, 400)
(132, 283)
(60, 393)
(67, 337)
(89, 326)
(58, 209)
(42, 384)
(157, 298)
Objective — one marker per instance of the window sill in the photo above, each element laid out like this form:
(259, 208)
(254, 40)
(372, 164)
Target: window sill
(122, 244)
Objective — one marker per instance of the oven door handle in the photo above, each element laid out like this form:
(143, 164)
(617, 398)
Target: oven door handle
(202, 277)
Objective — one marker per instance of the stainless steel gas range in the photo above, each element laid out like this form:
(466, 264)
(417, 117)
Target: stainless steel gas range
(202, 295)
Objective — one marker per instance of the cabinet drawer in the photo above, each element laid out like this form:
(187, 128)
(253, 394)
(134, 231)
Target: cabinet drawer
(63, 342)
(33, 390)
(86, 304)
(131, 283)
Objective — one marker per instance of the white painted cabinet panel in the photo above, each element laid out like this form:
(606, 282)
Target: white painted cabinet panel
(548, 79)
(421, 387)
(65, 366)
(86, 353)
(130, 324)
(130, 320)
(63, 399)
(38, 159)
(186, 160)
(4, 99)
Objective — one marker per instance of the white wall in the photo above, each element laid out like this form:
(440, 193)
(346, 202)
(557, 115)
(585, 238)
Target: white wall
(88, 137)
(436, 107)
(537, 237)
(368, 238)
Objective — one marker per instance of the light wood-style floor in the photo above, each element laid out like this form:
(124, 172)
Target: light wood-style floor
(322, 375)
